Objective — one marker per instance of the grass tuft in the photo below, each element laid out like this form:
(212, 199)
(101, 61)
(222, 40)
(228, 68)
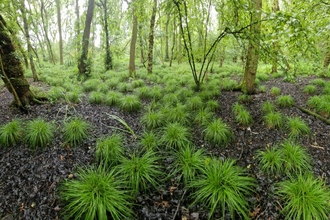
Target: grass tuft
(96, 194)
(130, 103)
(297, 127)
(38, 133)
(274, 120)
(75, 131)
(223, 186)
(218, 132)
(110, 150)
(175, 135)
(11, 133)
(285, 101)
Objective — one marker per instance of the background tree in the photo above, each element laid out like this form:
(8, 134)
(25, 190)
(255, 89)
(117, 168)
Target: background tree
(83, 63)
(59, 23)
(151, 36)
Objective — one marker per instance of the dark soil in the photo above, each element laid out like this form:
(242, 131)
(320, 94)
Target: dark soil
(29, 180)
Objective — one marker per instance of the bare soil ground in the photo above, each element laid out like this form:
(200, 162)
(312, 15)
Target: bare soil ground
(29, 180)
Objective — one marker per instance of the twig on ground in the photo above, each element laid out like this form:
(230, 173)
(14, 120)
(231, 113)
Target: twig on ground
(177, 208)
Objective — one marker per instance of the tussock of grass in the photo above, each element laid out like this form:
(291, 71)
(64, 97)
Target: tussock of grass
(11, 133)
(175, 135)
(110, 150)
(285, 101)
(130, 103)
(75, 131)
(218, 132)
(38, 133)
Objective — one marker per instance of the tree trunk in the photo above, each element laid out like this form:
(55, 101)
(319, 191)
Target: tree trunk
(248, 84)
(108, 57)
(11, 70)
(77, 26)
(59, 21)
(133, 42)
(276, 8)
(28, 41)
(83, 65)
(167, 57)
(45, 29)
(173, 41)
(142, 58)
(151, 37)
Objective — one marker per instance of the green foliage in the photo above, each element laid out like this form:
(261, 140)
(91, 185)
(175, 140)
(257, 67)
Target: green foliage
(91, 85)
(141, 171)
(297, 127)
(244, 98)
(170, 99)
(263, 76)
(274, 120)
(56, 93)
(267, 107)
(203, 116)
(112, 98)
(73, 96)
(130, 103)
(212, 105)
(38, 133)
(95, 97)
(295, 158)
(228, 84)
(217, 132)
(188, 162)
(110, 150)
(275, 91)
(175, 135)
(262, 88)
(152, 119)
(11, 133)
(96, 194)
(149, 140)
(304, 197)
(310, 89)
(194, 103)
(285, 101)
(243, 116)
(318, 82)
(178, 114)
(223, 186)
(75, 131)
(271, 161)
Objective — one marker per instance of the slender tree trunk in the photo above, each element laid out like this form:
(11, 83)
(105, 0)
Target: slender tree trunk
(276, 8)
(133, 41)
(167, 57)
(173, 41)
(77, 26)
(108, 57)
(142, 57)
(59, 23)
(28, 40)
(45, 29)
(151, 37)
(252, 58)
(83, 65)
(11, 70)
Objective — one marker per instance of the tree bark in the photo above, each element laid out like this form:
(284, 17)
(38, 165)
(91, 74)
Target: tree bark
(77, 26)
(108, 57)
(11, 70)
(28, 41)
(151, 37)
(276, 8)
(83, 65)
(133, 41)
(252, 58)
(167, 57)
(59, 23)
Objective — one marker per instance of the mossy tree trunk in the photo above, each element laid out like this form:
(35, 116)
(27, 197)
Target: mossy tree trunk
(151, 37)
(131, 65)
(252, 58)
(11, 70)
(83, 64)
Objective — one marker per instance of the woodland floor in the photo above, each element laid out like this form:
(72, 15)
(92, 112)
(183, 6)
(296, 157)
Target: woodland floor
(29, 180)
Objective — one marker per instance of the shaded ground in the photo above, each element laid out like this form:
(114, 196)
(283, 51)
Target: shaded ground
(29, 180)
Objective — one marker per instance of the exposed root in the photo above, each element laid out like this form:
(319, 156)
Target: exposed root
(313, 114)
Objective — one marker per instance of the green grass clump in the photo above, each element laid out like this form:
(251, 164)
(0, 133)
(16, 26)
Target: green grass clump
(75, 131)
(318, 82)
(110, 150)
(175, 135)
(96, 194)
(170, 99)
(304, 197)
(228, 84)
(295, 158)
(244, 98)
(267, 107)
(212, 105)
(11, 133)
(270, 161)
(242, 115)
(56, 93)
(274, 120)
(297, 127)
(141, 171)
(91, 85)
(194, 103)
(315, 102)
(223, 186)
(73, 96)
(38, 133)
(112, 98)
(217, 132)
(310, 89)
(285, 101)
(287, 158)
(95, 97)
(178, 114)
(203, 116)
(152, 119)
(130, 103)
(275, 91)
(188, 162)
(149, 140)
